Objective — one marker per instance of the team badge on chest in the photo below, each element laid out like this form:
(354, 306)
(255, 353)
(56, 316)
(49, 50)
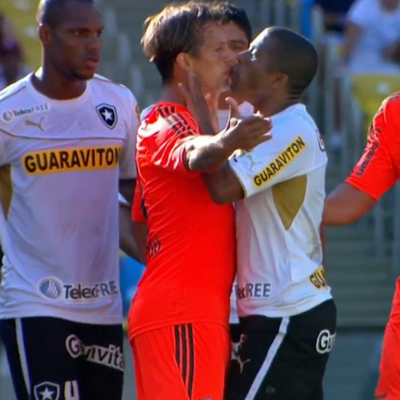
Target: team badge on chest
(108, 115)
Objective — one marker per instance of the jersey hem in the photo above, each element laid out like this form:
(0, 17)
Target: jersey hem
(136, 332)
(69, 316)
(293, 310)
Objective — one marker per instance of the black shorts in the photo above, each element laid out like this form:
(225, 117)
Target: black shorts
(283, 358)
(56, 359)
(235, 332)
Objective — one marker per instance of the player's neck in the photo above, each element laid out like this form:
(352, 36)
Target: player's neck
(49, 82)
(172, 94)
(269, 108)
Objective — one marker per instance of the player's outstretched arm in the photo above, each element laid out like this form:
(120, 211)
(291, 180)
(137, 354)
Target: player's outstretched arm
(346, 205)
(374, 174)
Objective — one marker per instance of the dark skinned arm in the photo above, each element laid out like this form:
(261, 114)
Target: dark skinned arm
(127, 189)
(127, 242)
(374, 174)
(139, 232)
(224, 186)
(346, 205)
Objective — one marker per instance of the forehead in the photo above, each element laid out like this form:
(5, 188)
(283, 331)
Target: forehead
(234, 32)
(81, 14)
(262, 45)
(213, 33)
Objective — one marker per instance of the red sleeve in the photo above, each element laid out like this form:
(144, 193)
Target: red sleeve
(376, 172)
(169, 150)
(139, 213)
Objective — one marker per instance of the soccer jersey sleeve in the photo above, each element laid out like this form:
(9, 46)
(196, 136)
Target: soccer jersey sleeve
(169, 151)
(375, 172)
(127, 165)
(284, 157)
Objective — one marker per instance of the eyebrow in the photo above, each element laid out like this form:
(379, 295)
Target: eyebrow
(238, 41)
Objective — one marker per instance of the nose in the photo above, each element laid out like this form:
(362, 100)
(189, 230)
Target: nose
(231, 57)
(94, 44)
(243, 56)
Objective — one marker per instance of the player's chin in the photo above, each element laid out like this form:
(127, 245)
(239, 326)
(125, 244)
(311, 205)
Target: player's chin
(85, 73)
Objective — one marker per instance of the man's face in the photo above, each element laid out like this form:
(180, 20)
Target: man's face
(250, 76)
(214, 60)
(75, 44)
(237, 39)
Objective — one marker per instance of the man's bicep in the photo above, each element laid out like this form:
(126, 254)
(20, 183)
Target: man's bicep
(270, 163)
(224, 185)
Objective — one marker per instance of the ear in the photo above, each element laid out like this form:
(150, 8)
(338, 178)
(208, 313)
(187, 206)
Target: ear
(184, 62)
(44, 34)
(281, 80)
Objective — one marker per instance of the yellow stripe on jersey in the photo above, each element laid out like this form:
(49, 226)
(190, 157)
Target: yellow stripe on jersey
(280, 163)
(79, 159)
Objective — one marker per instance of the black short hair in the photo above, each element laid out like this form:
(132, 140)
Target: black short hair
(175, 30)
(295, 56)
(237, 15)
(51, 12)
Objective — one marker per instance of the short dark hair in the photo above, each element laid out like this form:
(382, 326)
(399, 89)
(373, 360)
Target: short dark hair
(295, 56)
(237, 15)
(51, 12)
(175, 30)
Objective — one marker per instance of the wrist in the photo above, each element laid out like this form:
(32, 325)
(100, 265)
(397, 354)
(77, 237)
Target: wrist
(225, 143)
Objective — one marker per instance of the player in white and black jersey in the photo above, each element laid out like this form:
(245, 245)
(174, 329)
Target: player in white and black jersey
(67, 147)
(287, 314)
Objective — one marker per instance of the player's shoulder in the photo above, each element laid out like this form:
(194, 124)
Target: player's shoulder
(387, 115)
(165, 119)
(14, 92)
(390, 103)
(295, 124)
(116, 90)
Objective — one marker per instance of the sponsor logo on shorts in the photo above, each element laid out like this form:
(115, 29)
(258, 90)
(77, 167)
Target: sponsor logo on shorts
(46, 391)
(54, 289)
(237, 349)
(9, 115)
(79, 159)
(280, 163)
(325, 341)
(111, 356)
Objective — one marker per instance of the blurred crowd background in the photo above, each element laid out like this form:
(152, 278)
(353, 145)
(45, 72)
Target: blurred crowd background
(359, 46)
